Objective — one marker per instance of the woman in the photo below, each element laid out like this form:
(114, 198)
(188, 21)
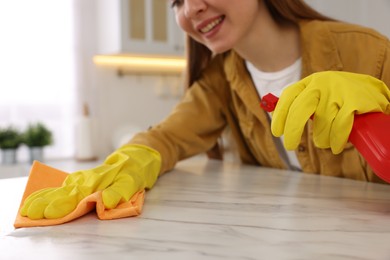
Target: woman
(239, 51)
(264, 38)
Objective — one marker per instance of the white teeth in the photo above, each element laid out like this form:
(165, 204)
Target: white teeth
(211, 25)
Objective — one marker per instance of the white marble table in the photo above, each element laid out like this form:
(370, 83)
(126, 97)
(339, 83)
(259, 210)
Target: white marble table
(212, 210)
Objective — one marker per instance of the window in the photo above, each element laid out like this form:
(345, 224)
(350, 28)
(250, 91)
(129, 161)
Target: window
(37, 81)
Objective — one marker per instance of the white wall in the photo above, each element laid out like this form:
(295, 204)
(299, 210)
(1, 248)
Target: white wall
(371, 13)
(121, 104)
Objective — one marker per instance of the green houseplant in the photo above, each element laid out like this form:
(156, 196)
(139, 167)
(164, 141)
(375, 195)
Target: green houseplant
(37, 136)
(10, 140)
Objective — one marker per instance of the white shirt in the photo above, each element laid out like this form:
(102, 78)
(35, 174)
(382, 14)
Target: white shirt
(275, 82)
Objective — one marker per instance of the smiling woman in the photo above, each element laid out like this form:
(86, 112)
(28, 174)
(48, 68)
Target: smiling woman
(37, 63)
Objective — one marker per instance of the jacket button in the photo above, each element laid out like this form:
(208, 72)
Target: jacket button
(301, 148)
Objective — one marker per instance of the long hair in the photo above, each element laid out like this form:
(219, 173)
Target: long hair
(198, 55)
(282, 11)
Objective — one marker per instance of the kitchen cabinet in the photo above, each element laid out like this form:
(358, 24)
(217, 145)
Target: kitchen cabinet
(149, 27)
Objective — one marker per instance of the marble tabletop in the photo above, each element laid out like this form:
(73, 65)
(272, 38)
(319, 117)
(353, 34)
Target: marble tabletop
(208, 209)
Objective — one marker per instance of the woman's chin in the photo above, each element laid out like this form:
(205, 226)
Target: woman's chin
(218, 49)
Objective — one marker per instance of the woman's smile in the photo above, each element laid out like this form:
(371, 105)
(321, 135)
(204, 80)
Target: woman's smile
(210, 25)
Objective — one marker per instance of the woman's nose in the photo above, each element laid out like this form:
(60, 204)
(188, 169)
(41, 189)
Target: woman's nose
(194, 7)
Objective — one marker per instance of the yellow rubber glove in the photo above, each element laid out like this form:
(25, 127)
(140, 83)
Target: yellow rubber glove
(333, 97)
(128, 170)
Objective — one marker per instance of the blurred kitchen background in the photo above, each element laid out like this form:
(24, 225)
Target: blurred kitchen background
(66, 63)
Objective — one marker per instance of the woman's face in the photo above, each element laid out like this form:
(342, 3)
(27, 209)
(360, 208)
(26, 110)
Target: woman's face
(219, 24)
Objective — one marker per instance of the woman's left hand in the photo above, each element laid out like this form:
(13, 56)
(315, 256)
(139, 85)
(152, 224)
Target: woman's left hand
(333, 97)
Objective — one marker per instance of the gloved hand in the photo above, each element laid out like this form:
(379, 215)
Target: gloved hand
(128, 170)
(333, 97)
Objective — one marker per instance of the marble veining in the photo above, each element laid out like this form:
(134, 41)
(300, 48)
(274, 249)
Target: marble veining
(214, 210)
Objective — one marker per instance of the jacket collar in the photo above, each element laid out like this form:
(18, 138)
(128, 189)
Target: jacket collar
(241, 83)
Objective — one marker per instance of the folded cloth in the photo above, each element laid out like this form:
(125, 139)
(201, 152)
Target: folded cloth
(43, 176)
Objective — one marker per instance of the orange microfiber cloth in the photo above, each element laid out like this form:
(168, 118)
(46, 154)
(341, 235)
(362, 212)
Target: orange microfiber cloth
(43, 176)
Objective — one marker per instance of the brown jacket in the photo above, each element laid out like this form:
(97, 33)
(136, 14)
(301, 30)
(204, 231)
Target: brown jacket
(226, 96)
